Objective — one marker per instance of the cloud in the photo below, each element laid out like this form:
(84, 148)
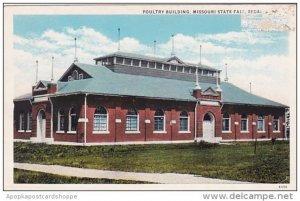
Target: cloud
(266, 72)
(239, 38)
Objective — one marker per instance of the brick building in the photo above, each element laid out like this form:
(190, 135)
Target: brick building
(139, 99)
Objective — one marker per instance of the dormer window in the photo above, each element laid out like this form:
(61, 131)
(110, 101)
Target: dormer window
(75, 75)
(80, 76)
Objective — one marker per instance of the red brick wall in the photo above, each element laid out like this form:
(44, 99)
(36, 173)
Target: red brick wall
(252, 112)
(25, 107)
(117, 108)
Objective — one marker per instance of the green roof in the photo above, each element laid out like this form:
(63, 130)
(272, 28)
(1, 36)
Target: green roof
(105, 81)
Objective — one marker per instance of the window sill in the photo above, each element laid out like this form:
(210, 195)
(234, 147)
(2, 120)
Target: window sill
(184, 132)
(159, 132)
(28, 131)
(21, 131)
(60, 131)
(261, 131)
(71, 132)
(226, 131)
(100, 132)
(132, 132)
(245, 132)
(276, 132)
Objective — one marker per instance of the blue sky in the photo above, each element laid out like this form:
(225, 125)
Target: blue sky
(144, 27)
(252, 55)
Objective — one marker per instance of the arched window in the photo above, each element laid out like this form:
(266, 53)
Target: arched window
(226, 122)
(159, 120)
(29, 121)
(72, 120)
(276, 123)
(100, 119)
(21, 121)
(75, 75)
(132, 120)
(184, 121)
(61, 120)
(244, 122)
(260, 123)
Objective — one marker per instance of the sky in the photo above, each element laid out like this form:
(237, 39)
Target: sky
(259, 57)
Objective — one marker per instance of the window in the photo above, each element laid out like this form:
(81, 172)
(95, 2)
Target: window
(276, 123)
(119, 60)
(173, 68)
(80, 76)
(186, 69)
(100, 119)
(128, 61)
(61, 120)
(29, 121)
(132, 120)
(260, 123)
(179, 69)
(70, 78)
(136, 62)
(151, 65)
(75, 75)
(22, 121)
(166, 66)
(159, 120)
(158, 65)
(193, 70)
(184, 121)
(144, 64)
(226, 122)
(72, 120)
(244, 122)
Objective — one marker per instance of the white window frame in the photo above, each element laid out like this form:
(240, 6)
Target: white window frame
(21, 122)
(229, 121)
(80, 76)
(247, 124)
(138, 123)
(263, 123)
(188, 121)
(164, 121)
(278, 125)
(107, 123)
(70, 122)
(29, 119)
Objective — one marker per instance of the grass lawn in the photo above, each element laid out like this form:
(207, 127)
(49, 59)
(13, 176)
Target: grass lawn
(236, 162)
(32, 177)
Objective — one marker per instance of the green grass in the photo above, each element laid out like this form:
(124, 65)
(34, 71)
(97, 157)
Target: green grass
(33, 177)
(236, 162)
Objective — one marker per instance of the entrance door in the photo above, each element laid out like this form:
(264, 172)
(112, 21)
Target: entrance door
(208, 126)
(41, 125)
